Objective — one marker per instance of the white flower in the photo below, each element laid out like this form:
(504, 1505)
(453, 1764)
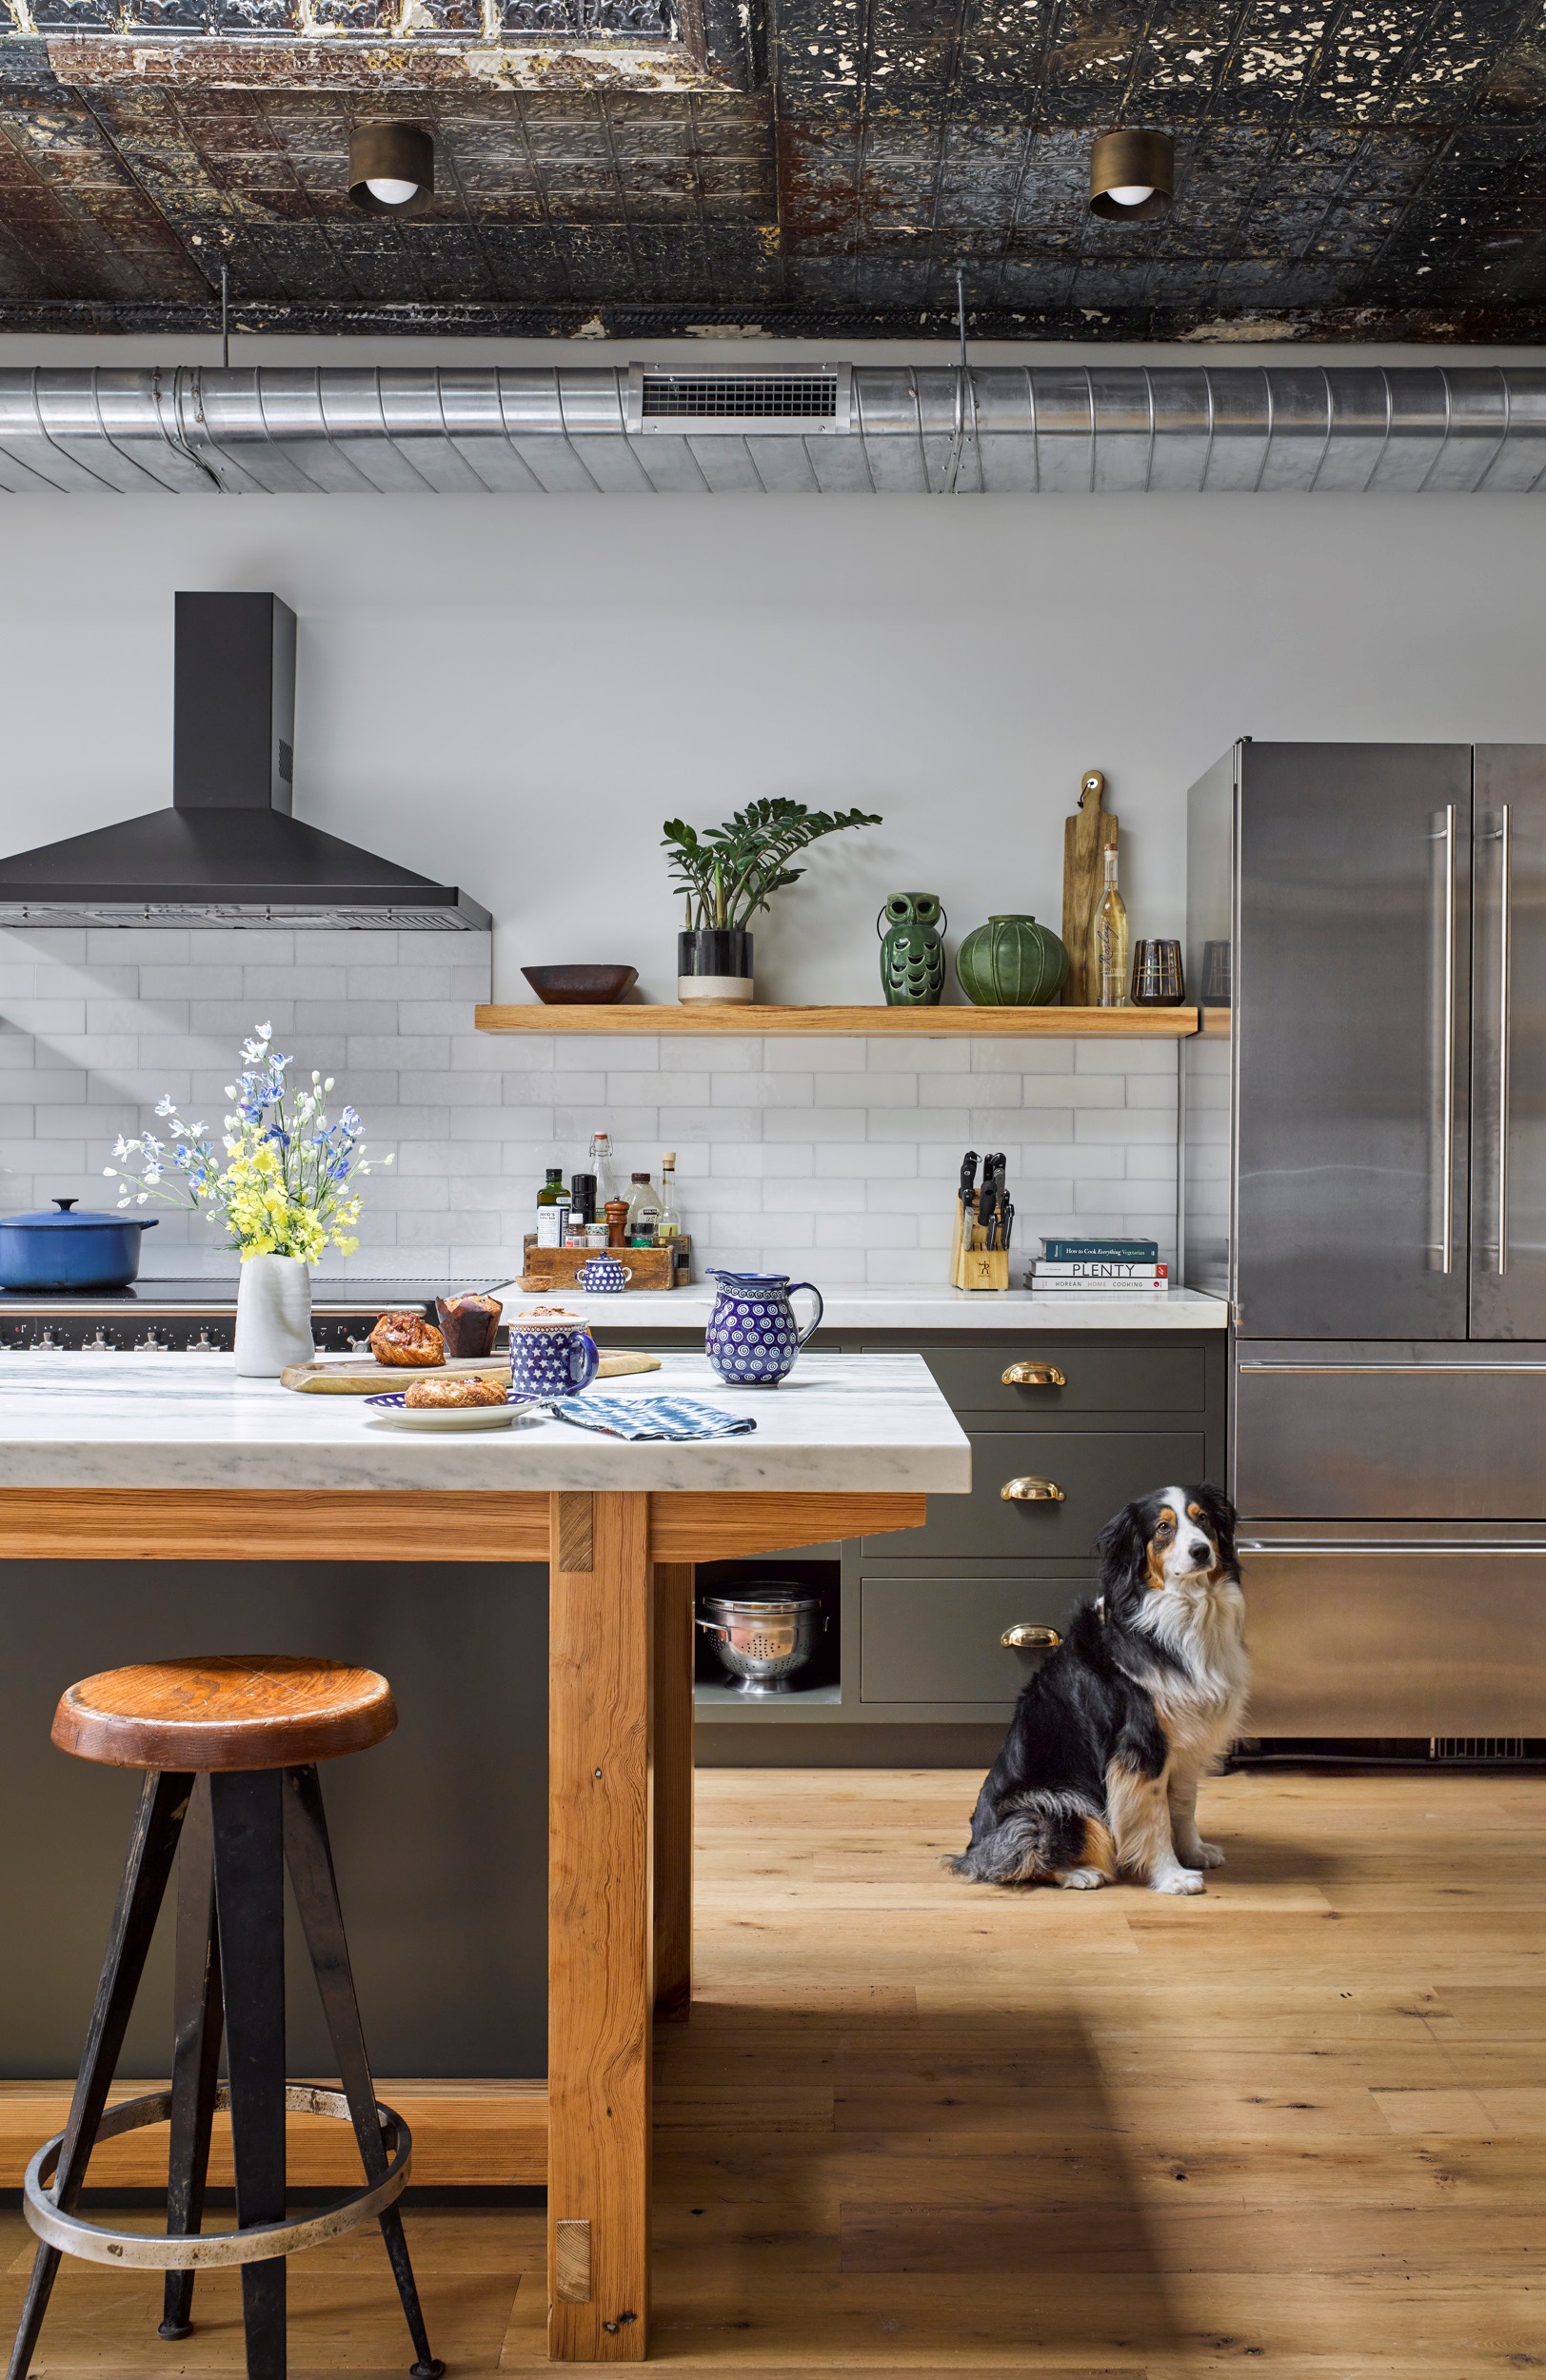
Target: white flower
(166, 1105)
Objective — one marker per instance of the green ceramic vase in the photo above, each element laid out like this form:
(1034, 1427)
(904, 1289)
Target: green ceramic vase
(1011, 962)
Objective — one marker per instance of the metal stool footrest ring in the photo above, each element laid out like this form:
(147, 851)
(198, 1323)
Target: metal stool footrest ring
(202, 2250)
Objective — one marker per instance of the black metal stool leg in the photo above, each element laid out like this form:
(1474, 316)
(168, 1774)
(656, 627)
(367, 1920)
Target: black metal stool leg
(196, 2050)
(152, 1846)
(310, 1854)
(249, 1898)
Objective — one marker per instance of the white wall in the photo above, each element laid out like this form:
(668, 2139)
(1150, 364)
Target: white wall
(516, 692)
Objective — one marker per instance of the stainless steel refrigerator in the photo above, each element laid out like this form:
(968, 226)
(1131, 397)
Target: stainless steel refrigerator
(1365, 1179)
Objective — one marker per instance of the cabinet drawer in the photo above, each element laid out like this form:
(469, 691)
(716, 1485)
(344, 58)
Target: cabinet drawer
(1095, 1379)
(1097, 1470)
(930, 1637)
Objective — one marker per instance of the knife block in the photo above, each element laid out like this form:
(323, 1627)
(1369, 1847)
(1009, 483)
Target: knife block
(974, 1266)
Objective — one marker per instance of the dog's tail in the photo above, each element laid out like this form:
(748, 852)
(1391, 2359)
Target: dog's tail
(1044, 1836)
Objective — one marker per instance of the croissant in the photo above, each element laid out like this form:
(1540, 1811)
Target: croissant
(408, 1341)
(464, 1388)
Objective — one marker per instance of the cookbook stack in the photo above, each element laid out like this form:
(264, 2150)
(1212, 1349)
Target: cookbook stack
(1098, 1264)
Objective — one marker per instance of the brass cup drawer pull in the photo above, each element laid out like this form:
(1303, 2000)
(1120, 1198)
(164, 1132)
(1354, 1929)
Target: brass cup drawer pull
(1030, 1635)
(1031, 1492)
(1034, 1376)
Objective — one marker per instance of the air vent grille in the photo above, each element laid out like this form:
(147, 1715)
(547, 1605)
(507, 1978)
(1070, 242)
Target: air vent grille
(778, 396)
(1478, 1747)
(813, 402)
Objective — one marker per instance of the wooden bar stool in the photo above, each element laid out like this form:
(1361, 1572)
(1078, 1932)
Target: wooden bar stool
(230, 1747)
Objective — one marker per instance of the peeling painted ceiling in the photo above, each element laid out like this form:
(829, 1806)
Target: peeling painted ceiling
(807, 168)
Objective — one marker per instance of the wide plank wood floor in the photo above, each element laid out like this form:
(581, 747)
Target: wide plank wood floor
(1296, 2127)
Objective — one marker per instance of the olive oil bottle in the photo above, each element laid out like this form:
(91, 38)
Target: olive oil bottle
(1109, 941)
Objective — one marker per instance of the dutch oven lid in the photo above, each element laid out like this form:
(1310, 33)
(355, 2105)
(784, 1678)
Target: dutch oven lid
(65, 1214)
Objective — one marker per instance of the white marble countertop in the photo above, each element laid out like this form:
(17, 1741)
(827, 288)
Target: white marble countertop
(861, 1424)
(929, 1307)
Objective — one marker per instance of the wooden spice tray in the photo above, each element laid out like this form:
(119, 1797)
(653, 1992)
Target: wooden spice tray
(652, 1268)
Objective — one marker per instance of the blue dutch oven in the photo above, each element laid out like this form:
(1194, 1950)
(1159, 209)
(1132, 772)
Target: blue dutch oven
(69, 1250)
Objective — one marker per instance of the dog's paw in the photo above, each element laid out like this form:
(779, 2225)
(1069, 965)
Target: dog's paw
(1177, 1881)
(1212, 1856)
(1082, 1879)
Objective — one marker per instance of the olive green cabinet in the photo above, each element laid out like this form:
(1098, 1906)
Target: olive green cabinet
(1072, 1427)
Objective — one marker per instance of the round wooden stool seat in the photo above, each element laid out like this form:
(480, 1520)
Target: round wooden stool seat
(231, 1710)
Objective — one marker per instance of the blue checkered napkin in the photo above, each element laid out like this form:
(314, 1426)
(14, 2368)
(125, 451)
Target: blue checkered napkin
(650, 1416)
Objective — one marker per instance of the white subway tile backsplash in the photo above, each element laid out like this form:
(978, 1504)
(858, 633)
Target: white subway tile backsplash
(826, 1153)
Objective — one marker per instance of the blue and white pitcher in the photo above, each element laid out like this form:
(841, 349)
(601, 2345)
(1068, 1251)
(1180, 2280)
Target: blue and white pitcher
(753, 1335)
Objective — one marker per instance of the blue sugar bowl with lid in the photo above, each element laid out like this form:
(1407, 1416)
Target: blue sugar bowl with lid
(754, 1333)
(603, 1275)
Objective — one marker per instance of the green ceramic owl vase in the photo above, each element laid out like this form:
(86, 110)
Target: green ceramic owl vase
(912, 926)
(1011, 962)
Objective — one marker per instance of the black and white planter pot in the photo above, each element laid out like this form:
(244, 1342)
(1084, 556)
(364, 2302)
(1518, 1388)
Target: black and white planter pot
(714, 963)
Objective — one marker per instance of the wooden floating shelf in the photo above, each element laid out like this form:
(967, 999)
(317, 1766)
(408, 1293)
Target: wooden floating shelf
(1147, 1024)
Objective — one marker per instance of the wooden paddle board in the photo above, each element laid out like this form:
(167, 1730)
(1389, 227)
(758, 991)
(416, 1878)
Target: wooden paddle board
(1086, 835)
(344, 1375)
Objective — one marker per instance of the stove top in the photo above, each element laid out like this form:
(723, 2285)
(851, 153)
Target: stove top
(193, 1317)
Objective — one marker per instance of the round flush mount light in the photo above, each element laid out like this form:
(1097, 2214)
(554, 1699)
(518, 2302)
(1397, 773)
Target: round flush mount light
(1132, 177)
(392, 169)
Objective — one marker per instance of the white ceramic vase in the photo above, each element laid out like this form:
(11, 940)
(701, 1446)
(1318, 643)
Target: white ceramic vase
(273, 1315)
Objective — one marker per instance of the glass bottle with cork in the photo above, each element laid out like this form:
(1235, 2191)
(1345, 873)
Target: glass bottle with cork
(669, 1226)
(1109, 941)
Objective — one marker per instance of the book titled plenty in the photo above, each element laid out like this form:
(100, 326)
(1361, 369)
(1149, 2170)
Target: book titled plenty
(1099, 1269)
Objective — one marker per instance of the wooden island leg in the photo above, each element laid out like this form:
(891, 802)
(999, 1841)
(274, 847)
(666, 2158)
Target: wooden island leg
(599, 1929)
(673, 1787)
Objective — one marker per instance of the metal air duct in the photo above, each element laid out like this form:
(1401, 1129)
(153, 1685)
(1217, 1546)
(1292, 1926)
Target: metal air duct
(874, 429)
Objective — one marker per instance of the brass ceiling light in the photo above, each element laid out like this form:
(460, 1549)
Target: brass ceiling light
(1132, 177)
(392, 169)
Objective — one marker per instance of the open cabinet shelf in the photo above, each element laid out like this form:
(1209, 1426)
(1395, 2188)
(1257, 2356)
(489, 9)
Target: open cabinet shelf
(1149, 1025)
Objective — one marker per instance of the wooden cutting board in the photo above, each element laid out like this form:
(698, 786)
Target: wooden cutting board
(344, 1375)
(1088, 833)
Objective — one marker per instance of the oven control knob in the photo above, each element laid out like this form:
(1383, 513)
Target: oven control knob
(151, 1346)
(48, 1339)
(100, 1346)
(203, 1344)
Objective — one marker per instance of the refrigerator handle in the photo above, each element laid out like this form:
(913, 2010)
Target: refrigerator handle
(1444, 822)
(1505, 954)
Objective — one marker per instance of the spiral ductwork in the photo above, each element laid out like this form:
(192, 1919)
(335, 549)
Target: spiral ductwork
(890, 430)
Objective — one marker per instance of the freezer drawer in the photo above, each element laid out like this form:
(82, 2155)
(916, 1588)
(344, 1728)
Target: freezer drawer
(1094, 1471)
(1455, 1441)
(1414, 1641)
(931, 1635)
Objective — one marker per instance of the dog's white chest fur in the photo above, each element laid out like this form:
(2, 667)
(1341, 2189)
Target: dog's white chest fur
(1200, 1693)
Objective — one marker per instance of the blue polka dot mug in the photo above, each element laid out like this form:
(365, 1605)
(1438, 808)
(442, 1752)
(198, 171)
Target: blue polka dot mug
(753, 1333)
(603, 1272)
(552, 1355)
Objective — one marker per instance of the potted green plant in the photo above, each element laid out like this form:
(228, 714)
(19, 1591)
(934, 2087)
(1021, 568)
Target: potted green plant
(727, 873)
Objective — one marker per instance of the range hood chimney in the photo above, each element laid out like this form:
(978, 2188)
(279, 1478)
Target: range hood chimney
(228, 852)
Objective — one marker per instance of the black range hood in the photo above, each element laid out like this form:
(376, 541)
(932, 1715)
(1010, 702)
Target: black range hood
(228, 852)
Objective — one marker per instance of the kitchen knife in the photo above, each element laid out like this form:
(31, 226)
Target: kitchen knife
(984, 1206)
(967, 1186)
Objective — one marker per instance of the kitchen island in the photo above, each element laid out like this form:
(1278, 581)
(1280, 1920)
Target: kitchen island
(119, 1457)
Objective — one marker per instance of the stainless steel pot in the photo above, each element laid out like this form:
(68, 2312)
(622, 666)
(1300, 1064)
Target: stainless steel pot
(763, 1640)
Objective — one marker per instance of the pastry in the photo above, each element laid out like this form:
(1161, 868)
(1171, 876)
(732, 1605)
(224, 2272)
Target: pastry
(463, 1388)
(467, 1324)
(406, 1342)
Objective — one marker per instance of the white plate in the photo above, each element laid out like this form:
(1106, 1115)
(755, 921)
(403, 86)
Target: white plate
(396, 1415)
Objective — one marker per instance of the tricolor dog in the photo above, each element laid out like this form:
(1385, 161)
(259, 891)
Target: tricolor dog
(1098, 1776)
